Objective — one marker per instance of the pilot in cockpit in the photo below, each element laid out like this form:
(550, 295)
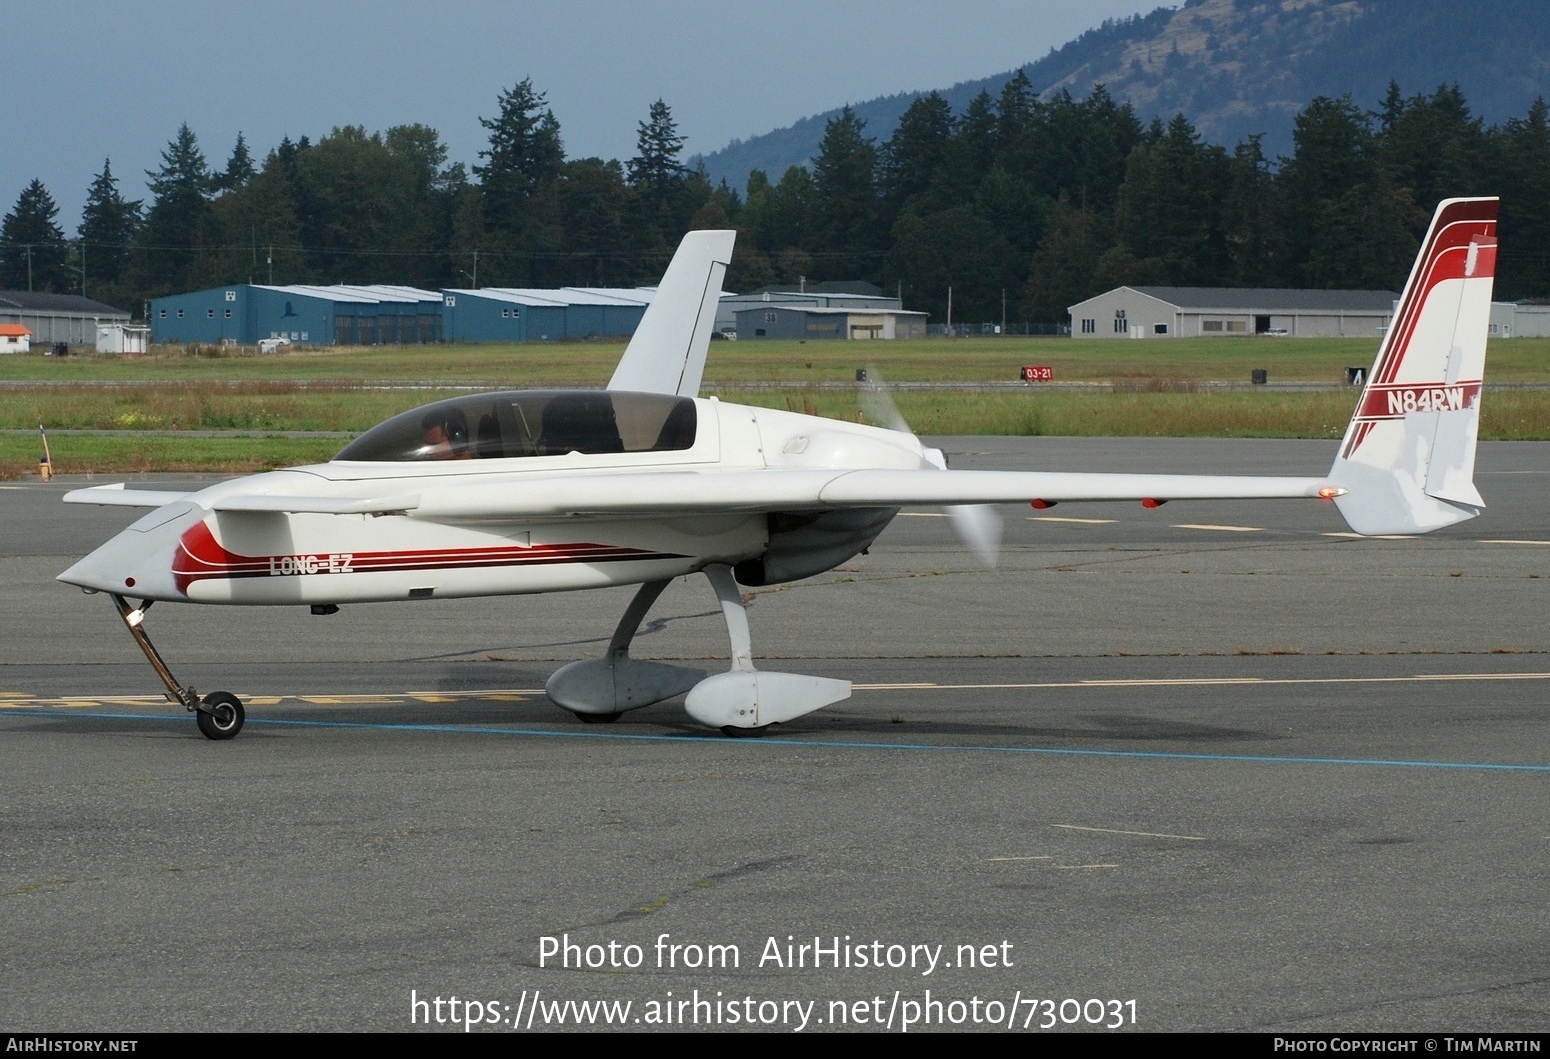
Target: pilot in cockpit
(444, 432)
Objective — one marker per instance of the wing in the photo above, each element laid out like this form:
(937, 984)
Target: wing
(502, 498)
(669, 493)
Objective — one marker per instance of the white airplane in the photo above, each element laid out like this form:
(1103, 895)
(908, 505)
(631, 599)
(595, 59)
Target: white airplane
(549, 491)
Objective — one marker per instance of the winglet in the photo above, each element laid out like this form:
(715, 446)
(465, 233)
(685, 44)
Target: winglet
(1407, 462)
(667, 354)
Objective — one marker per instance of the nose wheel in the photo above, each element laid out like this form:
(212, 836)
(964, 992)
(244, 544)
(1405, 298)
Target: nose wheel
(219, 714)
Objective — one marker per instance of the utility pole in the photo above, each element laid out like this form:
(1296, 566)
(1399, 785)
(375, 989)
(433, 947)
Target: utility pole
(81, 268)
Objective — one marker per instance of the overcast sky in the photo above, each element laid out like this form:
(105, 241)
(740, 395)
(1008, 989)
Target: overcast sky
(95, 79)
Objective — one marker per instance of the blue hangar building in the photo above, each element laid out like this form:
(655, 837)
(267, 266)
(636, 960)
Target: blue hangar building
(517, 314)
(245, 314)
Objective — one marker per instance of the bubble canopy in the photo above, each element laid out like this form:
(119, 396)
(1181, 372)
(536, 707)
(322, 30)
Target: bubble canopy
(520, 423)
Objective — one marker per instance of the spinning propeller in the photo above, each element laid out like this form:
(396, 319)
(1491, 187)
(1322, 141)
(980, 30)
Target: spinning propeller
(977, 525)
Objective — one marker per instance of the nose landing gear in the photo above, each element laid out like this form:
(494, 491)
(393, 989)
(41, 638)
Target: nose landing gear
(219, 714)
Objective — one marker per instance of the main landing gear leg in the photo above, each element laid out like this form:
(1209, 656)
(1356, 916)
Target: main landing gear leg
(219, 714)
(745, 701)
(598, 690)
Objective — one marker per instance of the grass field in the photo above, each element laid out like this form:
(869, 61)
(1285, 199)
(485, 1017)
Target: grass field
(1144, 389)
(979, 359)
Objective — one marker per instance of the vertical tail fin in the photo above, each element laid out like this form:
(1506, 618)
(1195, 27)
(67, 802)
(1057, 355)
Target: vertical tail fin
(1407, 462)
(667, 354)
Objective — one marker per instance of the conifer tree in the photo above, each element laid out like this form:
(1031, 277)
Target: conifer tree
(660, 181)
(913, 168)
(179, 222)
(33, 256)
(524, 160)
(1521, 155)
(239, 167)
(845, 190)
(655, 169)
(107, 232)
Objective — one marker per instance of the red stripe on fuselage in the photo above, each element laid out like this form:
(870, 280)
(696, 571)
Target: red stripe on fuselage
(201, 557)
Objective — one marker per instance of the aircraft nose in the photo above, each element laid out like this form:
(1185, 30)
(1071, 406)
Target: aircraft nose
(138, 561)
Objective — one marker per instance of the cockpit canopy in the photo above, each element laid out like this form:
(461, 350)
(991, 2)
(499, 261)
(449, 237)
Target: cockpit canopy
(518, 423)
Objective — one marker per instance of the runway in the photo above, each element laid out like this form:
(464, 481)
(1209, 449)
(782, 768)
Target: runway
(1217, 766)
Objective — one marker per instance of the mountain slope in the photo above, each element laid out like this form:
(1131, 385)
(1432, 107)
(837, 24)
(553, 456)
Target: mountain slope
(1238, 67)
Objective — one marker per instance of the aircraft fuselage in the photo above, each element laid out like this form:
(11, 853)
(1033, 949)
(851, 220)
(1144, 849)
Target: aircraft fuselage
(218, 546)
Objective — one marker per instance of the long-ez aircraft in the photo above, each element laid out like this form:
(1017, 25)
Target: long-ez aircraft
(549, 491)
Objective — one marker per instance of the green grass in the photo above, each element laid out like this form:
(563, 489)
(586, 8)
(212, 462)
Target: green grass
(1092, 414)
(111, 454)
(1513, 415)
(1154, 392)
(978, 359)
(206, 405)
